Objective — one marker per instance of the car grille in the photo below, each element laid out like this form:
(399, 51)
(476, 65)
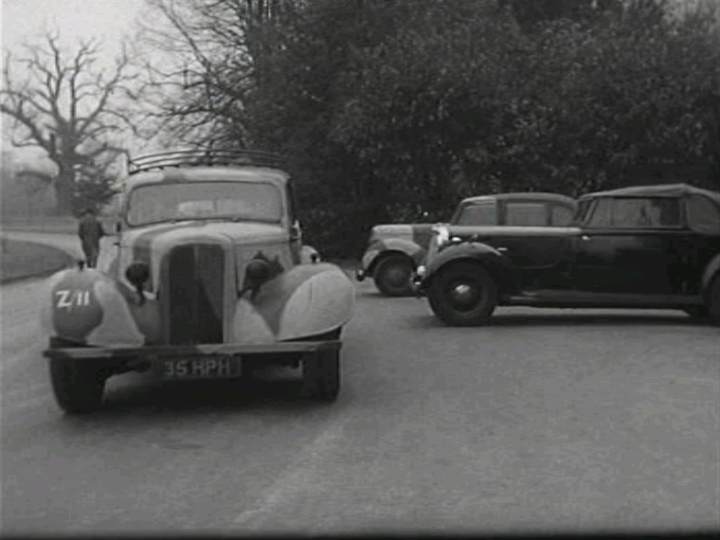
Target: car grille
(195, 277)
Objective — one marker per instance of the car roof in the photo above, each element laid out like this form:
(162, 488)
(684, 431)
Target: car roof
(658, 190)
(244, 173)
(536, 195)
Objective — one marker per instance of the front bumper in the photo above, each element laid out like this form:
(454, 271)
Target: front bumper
(143, 358)
(418, 283)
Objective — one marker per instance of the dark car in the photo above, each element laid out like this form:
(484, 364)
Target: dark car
(636, 247)
(395, 250)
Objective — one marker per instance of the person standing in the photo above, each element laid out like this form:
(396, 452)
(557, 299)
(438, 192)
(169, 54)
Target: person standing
(90, 231)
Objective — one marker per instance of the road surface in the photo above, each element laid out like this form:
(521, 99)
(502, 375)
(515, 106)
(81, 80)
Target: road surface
(548, 420)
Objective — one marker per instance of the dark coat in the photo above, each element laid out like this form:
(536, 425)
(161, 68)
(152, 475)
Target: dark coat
(90, 231)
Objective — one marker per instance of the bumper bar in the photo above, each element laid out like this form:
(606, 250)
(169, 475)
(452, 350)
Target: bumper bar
(211, 349)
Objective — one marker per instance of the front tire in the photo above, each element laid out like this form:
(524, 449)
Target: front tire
(463, 294)
(392, 275)
(321, 375)
(78, 387)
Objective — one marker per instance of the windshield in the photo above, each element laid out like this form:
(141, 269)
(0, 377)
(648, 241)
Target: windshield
(251, 201)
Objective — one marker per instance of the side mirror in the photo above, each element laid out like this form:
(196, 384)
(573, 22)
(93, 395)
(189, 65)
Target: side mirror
(295, 230)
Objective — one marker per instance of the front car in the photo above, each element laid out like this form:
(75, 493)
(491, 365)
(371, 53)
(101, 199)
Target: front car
(516, 209)
(210, 278)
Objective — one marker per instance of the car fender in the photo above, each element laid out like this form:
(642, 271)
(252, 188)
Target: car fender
(308, 300)
(711, 270)
(498, 265)
(392, 245)
(88, 307)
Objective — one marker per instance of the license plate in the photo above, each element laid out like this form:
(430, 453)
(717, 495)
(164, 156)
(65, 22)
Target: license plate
(212, 367)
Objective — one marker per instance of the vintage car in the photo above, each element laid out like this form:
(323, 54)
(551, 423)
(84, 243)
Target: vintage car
(635, 247)
(210, 279)
(395, 250)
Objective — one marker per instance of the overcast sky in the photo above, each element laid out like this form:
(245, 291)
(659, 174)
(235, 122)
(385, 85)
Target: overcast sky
(106, 19)
(27, 20)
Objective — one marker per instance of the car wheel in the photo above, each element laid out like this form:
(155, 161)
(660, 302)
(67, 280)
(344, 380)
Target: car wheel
(713, 305)
(78, 387)
(321, 375)
(392, 275)
(463, 294)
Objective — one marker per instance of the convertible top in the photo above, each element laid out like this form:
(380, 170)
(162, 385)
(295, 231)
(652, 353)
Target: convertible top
(660, 190)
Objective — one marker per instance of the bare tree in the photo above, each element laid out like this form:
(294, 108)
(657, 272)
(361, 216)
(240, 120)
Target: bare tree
(68, 105)
(214, 59)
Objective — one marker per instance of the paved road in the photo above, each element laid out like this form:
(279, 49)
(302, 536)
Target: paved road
(544, 421)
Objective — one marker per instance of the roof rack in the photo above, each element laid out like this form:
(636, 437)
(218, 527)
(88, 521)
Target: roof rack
(197, 158)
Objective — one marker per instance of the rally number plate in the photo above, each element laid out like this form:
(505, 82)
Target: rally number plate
(211, 367)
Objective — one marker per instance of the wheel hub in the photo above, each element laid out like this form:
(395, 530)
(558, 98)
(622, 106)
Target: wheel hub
(464, 294)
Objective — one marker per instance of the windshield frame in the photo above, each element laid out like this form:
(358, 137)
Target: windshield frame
(129, 195)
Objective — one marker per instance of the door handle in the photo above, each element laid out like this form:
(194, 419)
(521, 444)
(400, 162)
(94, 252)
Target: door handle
(502, 249)
(585, 237)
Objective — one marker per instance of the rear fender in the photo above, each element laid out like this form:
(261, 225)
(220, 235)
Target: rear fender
(308, 300)
(495, 262)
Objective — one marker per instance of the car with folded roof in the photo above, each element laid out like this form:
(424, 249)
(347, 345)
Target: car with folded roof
(394, 251)
(647, 247)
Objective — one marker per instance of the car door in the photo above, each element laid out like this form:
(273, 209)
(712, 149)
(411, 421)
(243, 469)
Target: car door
(632, 245)
(541, 253)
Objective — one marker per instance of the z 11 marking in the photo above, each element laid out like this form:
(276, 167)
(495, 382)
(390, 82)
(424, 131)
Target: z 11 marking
(67, 299)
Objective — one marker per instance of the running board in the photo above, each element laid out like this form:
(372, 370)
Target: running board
(602, 300)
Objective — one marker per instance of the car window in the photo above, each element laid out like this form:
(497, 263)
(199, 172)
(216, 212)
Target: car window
(477, 214)
(703, 215)
(252, 201)
(525, 214)
(636, 212)
(560, 216)
(582, 211)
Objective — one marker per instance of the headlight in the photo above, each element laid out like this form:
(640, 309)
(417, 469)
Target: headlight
(257, 270)
(443, 235)
(137, 273)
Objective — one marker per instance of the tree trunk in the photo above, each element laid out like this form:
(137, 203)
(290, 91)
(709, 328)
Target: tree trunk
(64, 186)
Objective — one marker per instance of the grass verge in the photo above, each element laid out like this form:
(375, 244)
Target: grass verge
(19, 260)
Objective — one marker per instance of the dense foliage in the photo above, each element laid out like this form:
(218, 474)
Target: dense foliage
(385, 108)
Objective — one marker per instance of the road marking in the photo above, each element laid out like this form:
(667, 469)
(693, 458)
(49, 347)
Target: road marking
(296, 478)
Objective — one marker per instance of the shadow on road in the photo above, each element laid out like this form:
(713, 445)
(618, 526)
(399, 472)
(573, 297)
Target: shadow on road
(586, 319)
(162, 399)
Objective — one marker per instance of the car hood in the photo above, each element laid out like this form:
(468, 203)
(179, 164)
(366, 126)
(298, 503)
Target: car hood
(150, 244)
(399, 229)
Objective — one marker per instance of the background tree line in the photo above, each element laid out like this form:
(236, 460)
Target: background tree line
(384, 107)
(388, 107)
